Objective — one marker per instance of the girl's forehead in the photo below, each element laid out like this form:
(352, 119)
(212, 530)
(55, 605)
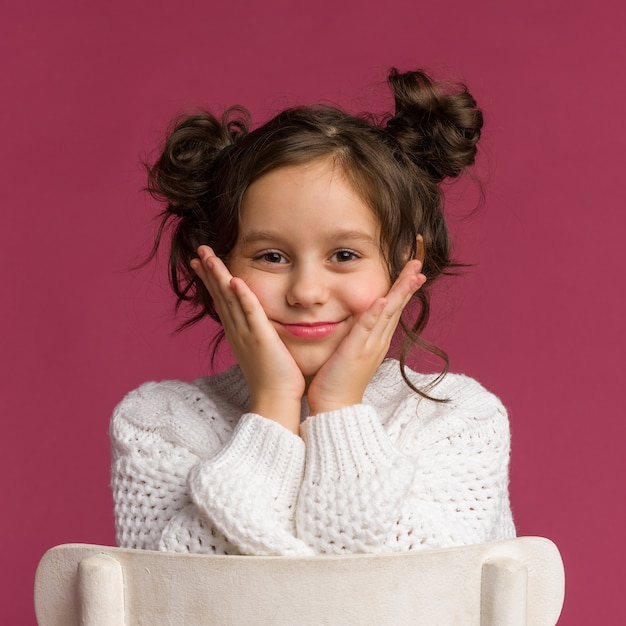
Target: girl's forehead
(313, 200)
(319, 189)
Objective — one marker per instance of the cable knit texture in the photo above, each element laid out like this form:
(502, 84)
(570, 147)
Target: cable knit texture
(194, 471)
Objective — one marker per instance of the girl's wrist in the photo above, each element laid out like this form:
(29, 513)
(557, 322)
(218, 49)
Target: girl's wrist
(284, 412)
(332, 404)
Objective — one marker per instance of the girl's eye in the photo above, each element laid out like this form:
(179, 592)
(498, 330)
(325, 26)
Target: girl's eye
(343, 256)
(271, 257)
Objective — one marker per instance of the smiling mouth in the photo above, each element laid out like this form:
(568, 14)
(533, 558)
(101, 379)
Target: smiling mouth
(316, 330)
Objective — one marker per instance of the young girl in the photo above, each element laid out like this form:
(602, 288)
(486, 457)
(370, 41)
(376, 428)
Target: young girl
(306, 239)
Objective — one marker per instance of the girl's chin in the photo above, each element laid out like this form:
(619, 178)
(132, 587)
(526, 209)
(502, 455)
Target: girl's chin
(310, 364)
(308, 377)
(311, 361)
(309, 374)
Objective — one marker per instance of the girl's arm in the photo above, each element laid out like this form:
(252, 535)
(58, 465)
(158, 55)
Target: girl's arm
(149, 465)
(440, 479)
(249, 489)
(185, 480)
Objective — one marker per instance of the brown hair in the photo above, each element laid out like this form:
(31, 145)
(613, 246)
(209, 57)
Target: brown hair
(395, 164)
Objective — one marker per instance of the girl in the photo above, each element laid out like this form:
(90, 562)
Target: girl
(306, 239)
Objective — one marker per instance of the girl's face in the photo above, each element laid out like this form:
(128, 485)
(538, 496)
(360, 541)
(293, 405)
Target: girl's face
(308, 247)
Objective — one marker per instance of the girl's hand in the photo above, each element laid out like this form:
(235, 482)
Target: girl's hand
(274, 380)
(342, 380)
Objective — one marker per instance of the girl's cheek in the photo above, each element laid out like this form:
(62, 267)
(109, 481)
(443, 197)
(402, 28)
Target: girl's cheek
(264, 290)
(364, 298)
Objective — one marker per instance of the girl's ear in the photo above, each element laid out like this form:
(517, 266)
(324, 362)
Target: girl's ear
(420, 249)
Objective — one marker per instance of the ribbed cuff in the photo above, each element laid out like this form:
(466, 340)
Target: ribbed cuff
(347, 442)
(260, 452)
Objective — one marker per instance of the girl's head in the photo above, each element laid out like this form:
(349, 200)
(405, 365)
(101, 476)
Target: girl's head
(309, 249)
(394, 165)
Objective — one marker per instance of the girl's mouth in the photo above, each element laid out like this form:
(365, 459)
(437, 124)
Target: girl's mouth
(317, 330)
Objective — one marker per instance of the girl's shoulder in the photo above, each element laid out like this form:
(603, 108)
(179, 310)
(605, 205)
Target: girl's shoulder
(467, 395)
(461, 395)
(175, 410)
(467, 411)
(153, 398)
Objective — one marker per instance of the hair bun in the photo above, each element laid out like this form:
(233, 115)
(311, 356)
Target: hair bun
(437, 128)
(181, 176)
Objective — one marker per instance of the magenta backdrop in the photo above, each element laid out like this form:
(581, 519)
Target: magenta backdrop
(87, 88)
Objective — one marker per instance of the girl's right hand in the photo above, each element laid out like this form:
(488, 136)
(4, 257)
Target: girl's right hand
(274, 380)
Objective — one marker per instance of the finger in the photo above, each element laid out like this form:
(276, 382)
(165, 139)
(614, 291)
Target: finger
(217, 279)
(408, 282)
(399, 295)
(379, 322)
(203, 264)
(204, 268)
(236, 303)
(367, 321)
(255, 316)
(205, 251)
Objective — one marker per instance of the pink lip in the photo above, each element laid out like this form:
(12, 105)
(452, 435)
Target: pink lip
(317, 330)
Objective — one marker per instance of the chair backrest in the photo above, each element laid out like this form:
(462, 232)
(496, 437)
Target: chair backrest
(504, 583)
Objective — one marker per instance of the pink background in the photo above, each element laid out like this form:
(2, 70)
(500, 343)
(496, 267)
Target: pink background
(88, 88)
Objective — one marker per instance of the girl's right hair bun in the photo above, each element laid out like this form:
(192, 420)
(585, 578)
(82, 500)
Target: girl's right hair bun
(437, 126)
(182, 174)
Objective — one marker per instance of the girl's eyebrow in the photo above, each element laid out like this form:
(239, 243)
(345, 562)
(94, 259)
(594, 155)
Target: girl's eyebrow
(259, 235)
(335, 236)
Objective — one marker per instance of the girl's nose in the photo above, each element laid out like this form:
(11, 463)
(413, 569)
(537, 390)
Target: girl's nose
(308, 287)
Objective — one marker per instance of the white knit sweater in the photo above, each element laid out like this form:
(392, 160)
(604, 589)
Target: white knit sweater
(192, 471)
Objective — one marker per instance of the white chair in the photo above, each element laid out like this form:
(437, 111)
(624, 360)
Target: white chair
(504, 583)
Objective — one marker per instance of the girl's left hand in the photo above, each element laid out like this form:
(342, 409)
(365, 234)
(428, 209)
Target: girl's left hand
(342, 380)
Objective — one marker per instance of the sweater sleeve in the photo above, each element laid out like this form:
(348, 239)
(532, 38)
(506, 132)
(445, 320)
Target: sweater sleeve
(441, 482)
(152, 452)
(184, 481)
(249, 488)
